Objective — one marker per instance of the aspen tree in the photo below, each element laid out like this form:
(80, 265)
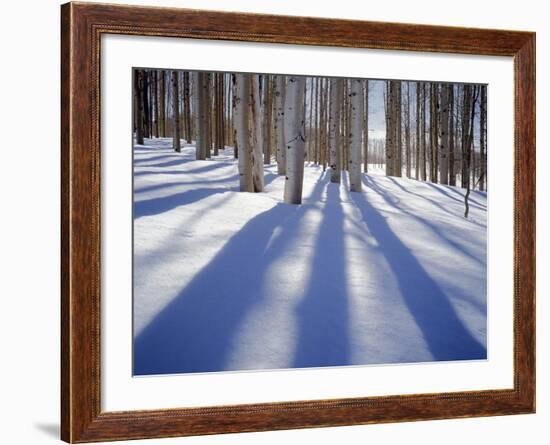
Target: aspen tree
(393, 128)
(255, 123)
(199, 108)
(138, 86)
(228, 110)
(344, 128)
(233, 109)
(434, 131)
(317, 120)
(335, 139)
(155, 107)
(366, 128)
(242, 126)
(466, 112)
(175, 112)
(398, 152)
(444, 134)
(469, 140)
(417, 161)
(215, 115)
(207, 99)
(221, 114)
(295, 138)
(310, 137)
(268, 115)
(162, 103)
(146, 110)
(423, 147)
(186, 108)
(357, 112)
(280, 123)
(483, 137)
(408, 131)
(452, 173)
(323, 122)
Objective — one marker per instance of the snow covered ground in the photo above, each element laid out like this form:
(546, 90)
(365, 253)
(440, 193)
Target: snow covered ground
(225, 280)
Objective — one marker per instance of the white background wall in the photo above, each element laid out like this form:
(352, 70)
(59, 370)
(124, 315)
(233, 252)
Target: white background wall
(29, 219)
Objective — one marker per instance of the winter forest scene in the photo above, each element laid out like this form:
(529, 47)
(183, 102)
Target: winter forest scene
(284, 221)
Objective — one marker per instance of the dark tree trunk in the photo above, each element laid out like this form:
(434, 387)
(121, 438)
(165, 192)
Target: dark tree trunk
(155, 103)
(176, 111)
(138, 100)
(469, 142)
(187, 109)
(145, 98)
(452, 174)
(162, 103)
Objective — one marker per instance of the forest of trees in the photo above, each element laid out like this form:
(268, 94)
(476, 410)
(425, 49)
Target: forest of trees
(433, 131)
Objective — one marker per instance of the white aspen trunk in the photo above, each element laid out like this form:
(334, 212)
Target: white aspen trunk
(356, 129)
(452, 174)
(388, 143)
(482, 137)
(366, 129)
(310, 137)
(280, 124)
(242, 127)
(391, 128)
(444, 135)
(323, 124)
(256, 135)
(398, 153)
(423, 135)
(335, 139)
(267, 119)
(233, 115)
(408, 131)
(466, 111)
(207, 100)
(295, 135)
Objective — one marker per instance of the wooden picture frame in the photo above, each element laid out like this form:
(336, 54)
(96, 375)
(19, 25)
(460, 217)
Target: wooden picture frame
(82, 25)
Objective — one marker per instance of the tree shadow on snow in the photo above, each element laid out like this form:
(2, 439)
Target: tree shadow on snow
(196, 183)
(392, 201)
(433, 202)
(155, 206)
(211, 165)
(196, 330)
(445, 189)
(323, 321)
(446, 336)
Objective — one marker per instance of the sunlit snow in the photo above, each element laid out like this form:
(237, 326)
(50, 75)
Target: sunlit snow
(225, 280)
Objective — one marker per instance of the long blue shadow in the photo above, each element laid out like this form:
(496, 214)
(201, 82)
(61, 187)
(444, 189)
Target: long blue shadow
(446, 336)
(322, 315)
(155, 206)
(430, 200)
(390, 200)
(460, 195)
(151, 159)
(445, 189)
(196, 183)
(196, 330)
(211, 165)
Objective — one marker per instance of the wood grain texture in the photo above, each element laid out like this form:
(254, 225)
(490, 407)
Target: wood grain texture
(81, 28)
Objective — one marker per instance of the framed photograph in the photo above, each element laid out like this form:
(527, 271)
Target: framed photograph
(274, 222)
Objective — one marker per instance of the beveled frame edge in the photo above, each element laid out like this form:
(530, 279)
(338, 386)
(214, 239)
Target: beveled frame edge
(82, 25)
